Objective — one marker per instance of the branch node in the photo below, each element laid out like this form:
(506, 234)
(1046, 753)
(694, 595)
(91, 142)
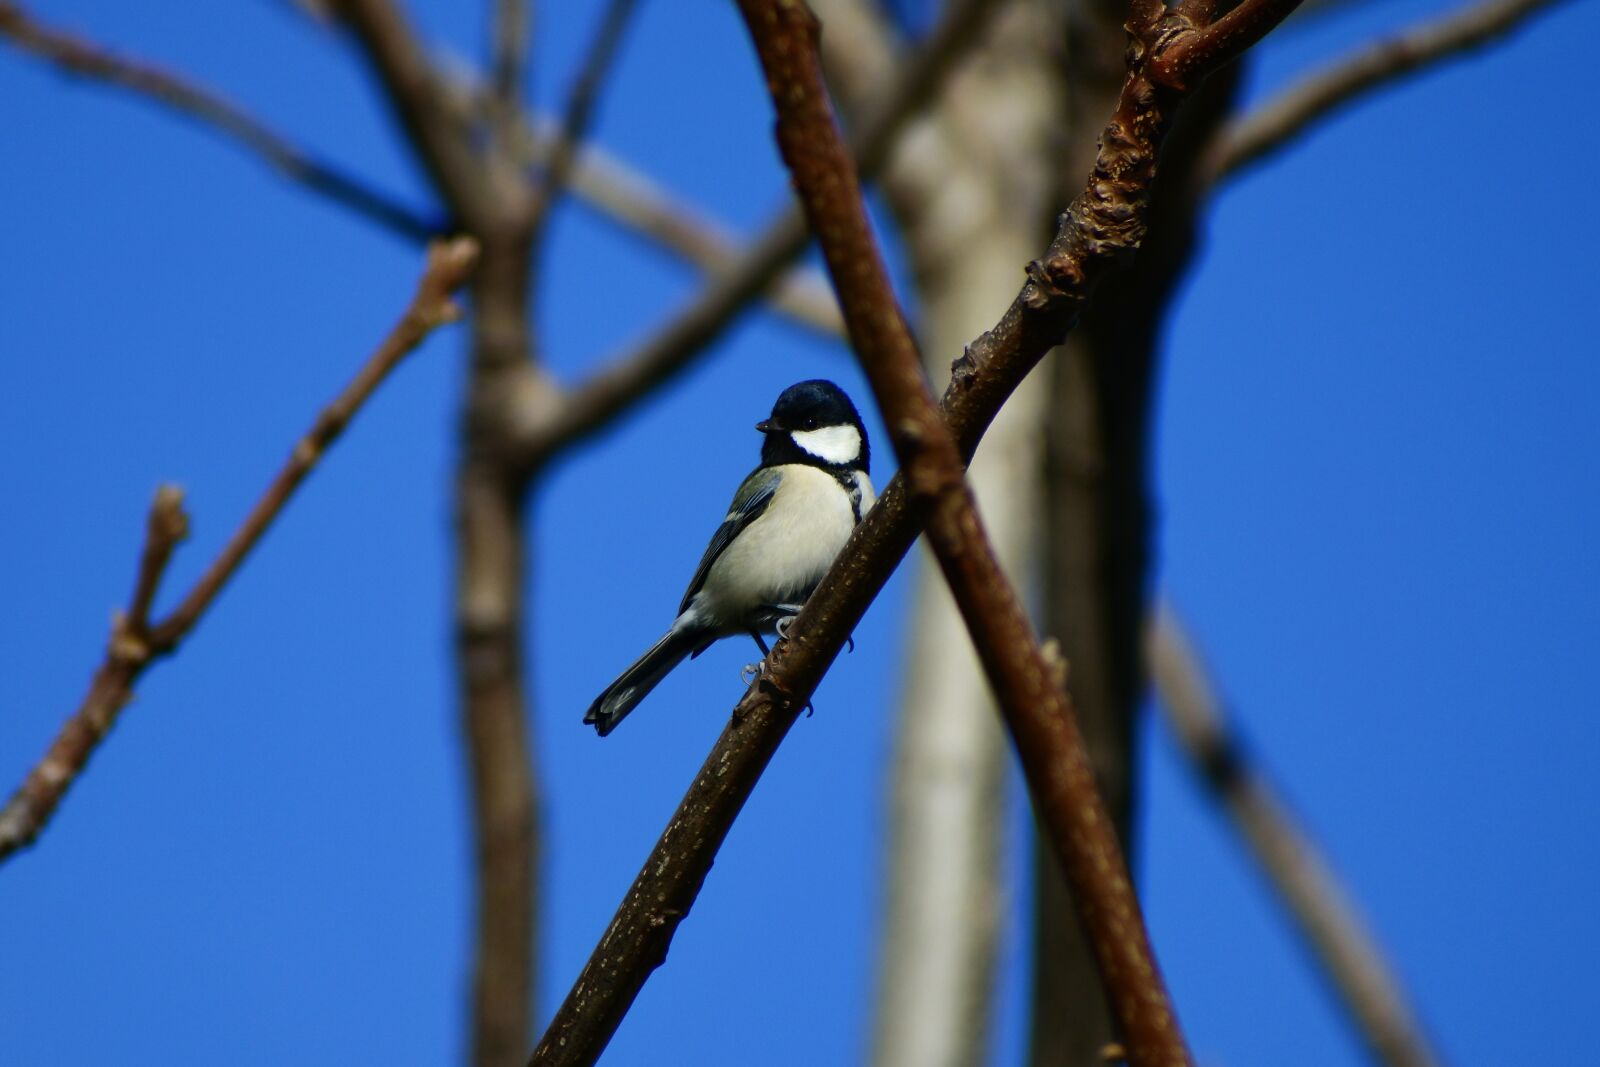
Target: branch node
(1054, 277)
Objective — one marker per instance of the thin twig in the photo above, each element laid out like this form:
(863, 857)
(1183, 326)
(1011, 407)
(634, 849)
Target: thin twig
(581, 101)
(77, 55)
(623, 380)
(1029, 688)
(135, 642)
(1103, 225)
(1308, 887)
(1280, 121)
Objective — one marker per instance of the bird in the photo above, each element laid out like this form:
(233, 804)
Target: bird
(788, 520)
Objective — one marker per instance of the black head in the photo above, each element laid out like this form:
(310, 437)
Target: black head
(814, 422)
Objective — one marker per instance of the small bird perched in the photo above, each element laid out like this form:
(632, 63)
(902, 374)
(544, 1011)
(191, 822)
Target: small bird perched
(788, 521)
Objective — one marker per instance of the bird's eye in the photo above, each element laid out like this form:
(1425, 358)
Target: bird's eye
(809, 424)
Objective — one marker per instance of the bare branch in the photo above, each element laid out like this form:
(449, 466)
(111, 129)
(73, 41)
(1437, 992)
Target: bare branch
(618, 384)
(1029, 687)
(135, 642)
(1283, 120)
(1307, 885)
(1102, 225)
(581, 102)
(79, 56)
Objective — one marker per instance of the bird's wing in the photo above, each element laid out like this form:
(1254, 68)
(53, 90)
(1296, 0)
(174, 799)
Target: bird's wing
(748, 504)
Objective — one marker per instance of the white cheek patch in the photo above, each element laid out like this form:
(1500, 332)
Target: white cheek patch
(831, 444)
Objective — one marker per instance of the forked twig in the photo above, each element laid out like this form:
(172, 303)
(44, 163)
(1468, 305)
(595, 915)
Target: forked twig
(135, 641)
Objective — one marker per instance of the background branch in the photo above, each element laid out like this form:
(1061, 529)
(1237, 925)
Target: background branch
(77, 55)
(581, 101)
(1306, 884)
(135, 643)
(1282, 120)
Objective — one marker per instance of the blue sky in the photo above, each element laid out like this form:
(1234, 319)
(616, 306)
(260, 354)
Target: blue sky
(1375, 479)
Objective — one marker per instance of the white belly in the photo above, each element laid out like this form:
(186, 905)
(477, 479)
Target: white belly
(780, 558)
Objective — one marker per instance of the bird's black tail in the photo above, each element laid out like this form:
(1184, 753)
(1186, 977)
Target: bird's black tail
(635, 683)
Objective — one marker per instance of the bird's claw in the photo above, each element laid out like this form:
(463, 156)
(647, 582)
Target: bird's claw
(749, 673)
(782, 626)
(849, 642)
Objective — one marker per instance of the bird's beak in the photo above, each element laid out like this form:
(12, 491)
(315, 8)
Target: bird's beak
(765, 426)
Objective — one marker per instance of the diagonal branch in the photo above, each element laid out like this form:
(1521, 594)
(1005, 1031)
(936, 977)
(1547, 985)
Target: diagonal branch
(1282, 120)
(1350, 956)
(136, 642)
(614, 387)
(1103, 225)
(579, 113)
(1028, 685)
(79, 56)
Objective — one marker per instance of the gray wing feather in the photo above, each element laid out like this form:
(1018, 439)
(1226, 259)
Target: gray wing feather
(748, 504)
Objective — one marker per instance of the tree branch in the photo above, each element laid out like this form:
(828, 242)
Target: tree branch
(76, 55)
(618, 384)
(1030, 688)
(1103, 225)
(1350, 957)
(579, 113)
(1283, 120)
(136, 642)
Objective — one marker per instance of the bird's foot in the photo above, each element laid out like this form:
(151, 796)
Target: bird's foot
(749, 673)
